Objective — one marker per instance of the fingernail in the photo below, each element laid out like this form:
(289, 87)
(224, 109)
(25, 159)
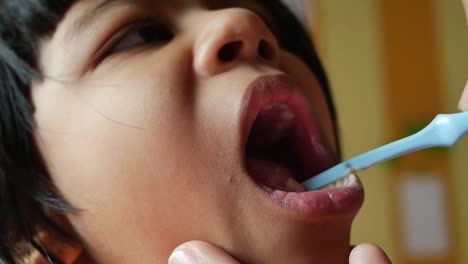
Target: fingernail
(183, 257)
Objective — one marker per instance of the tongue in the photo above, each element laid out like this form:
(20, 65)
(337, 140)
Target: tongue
(273, 175)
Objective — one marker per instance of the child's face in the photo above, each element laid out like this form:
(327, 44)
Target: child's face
(144, 128)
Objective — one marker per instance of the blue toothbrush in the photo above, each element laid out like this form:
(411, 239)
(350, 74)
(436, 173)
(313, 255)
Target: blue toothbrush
(443, 131)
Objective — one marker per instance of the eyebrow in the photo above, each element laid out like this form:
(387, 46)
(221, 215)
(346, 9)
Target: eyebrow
(91, 15)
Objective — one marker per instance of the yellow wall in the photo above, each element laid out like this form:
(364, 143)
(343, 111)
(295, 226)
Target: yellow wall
(350, 41)
(350, 49)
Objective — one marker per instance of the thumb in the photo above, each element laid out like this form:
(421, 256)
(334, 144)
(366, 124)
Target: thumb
(368, 254)
(199, 252)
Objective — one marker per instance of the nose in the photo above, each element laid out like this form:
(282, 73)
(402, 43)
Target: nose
(231, 36)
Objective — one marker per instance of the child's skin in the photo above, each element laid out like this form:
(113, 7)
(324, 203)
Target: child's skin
(147, 140)
(463, 105)
(464, 98)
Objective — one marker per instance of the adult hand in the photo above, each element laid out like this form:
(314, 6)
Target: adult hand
(463, 105)
(198, 252)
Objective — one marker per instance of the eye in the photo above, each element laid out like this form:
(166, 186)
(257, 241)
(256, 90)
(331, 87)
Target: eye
(139, 34)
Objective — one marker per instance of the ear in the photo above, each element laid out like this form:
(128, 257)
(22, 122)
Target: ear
(56, 242)
(51, 248)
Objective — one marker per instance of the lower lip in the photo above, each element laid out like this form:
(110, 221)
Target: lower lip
(335, 202)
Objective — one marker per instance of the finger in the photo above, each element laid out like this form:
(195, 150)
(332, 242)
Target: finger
(199, 252)
(463, 105)
(368, 254)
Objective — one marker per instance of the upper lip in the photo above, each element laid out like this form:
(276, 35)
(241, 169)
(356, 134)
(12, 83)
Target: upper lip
(281, 88)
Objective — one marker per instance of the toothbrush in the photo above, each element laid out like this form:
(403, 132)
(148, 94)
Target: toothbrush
(443, 131)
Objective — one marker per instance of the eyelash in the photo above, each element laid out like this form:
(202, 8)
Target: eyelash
(151, 32)
(139, 33)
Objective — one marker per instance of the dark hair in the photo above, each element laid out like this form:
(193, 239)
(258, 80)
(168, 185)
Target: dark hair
(24, 184)
(25, 187)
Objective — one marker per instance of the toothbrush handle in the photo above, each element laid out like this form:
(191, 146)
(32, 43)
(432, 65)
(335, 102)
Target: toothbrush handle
(444, 130)
(366, 160)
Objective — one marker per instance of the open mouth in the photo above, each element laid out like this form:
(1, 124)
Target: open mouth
(285, 144)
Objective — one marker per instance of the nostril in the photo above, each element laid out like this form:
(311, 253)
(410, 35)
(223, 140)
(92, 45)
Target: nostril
(265, 50)
(230, 51)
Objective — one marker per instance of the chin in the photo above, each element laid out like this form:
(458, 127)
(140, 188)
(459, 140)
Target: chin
(299, 244)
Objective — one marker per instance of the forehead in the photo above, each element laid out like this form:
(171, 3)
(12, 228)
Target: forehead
(91, 8)
(170, 3)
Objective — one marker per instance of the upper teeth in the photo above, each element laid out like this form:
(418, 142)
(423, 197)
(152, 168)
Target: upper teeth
(285, 119)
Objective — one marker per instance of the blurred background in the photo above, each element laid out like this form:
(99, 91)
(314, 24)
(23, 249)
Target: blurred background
(393, 65)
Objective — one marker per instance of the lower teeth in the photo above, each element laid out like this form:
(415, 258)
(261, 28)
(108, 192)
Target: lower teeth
(273, 176)
(292, 185)
(347, 181)
(282, 179)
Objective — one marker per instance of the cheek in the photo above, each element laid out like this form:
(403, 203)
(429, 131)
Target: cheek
(115, 152)
(126, 155)
(99, 129)
(127, 184)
